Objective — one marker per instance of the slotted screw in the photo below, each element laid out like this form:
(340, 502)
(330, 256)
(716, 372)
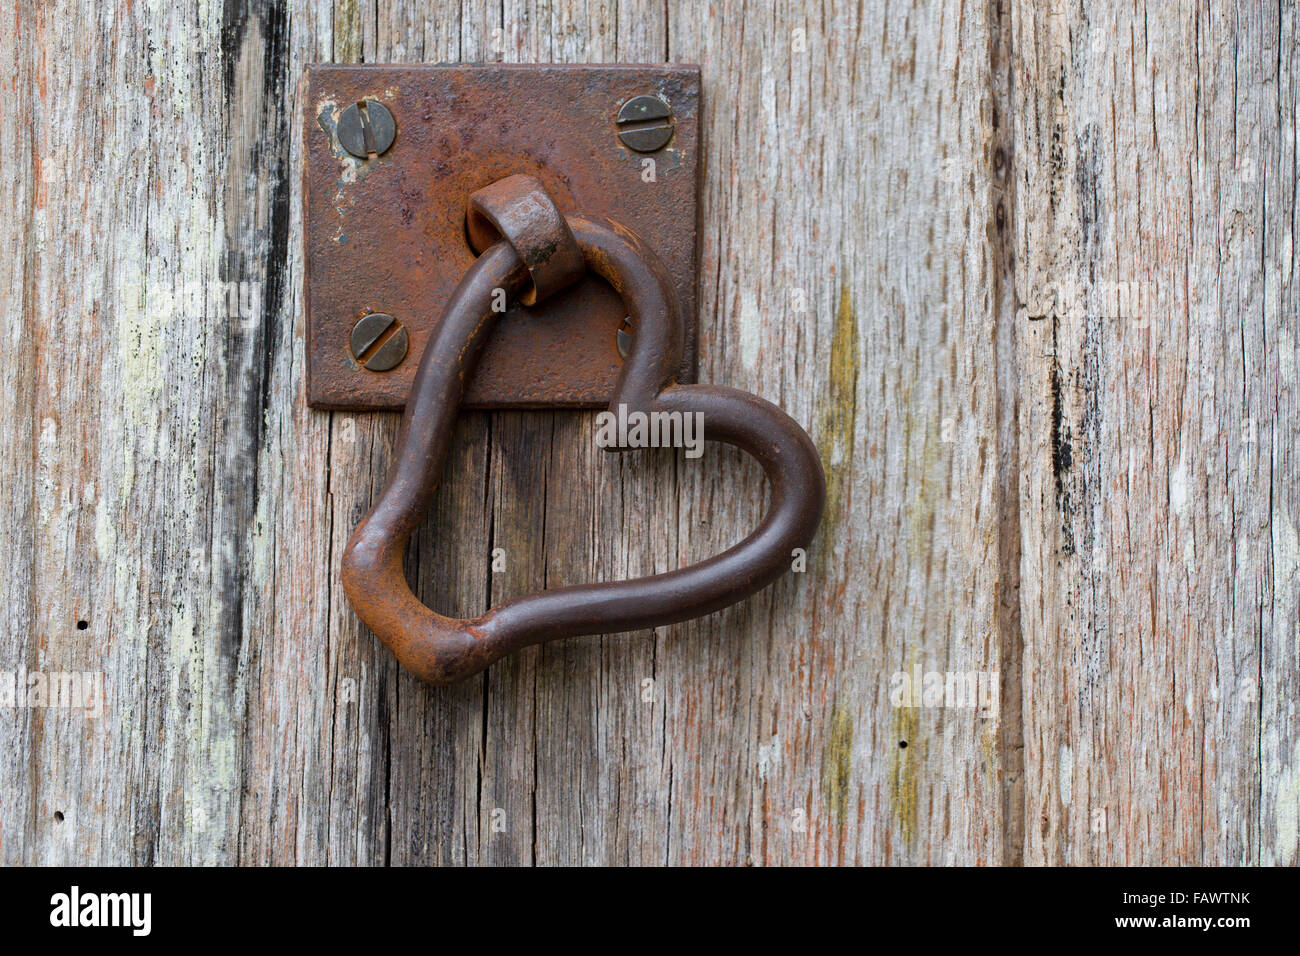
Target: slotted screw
(372, 349)
(366, 128)
(645, 123)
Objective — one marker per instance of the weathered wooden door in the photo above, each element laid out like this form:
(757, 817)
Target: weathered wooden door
(1023, 270)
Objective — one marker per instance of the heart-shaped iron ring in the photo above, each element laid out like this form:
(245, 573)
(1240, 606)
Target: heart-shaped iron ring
(539, 252)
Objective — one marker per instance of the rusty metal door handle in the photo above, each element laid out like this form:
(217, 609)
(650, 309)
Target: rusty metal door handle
(529, 250)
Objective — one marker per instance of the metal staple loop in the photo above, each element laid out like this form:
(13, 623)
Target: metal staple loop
(442, 650)
(518, 210)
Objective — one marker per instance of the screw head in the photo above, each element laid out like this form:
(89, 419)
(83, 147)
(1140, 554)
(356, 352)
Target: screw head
(366, 128)
(645, 123)
(379, 342)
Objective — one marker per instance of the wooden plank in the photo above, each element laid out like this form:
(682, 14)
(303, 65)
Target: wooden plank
(130, 541)
(892, 203)
(1000, 162)
(1279, 686)
(1157, 356)
(20, 825)
(181, 497)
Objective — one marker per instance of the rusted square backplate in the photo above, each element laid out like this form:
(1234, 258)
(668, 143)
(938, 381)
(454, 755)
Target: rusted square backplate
(387, 233)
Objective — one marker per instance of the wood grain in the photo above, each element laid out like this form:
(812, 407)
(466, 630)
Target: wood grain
(917, 223)
(1157, 363)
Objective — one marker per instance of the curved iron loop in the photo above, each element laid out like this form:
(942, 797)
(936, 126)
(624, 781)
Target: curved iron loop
(441, 649)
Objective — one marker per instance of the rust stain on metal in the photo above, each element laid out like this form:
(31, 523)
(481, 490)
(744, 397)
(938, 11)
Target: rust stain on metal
(388, 233)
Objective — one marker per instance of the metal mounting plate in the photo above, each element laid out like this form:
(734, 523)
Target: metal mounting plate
(387, 233)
